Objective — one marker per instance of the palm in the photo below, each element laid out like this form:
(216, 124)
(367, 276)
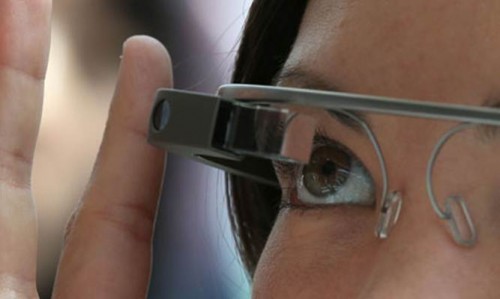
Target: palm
(107, 251)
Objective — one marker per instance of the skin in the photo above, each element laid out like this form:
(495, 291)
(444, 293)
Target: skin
(107, 252)
(440, 51)
(437, 50)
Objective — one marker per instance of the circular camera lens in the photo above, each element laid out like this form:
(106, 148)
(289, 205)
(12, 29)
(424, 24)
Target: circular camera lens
(161, 115)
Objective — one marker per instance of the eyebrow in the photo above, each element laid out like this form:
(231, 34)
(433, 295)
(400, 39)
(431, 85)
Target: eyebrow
(295, 76)
(300, 77)
(492, 102)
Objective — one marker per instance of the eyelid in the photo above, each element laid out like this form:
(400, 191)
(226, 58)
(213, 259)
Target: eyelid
(488, 133)
(288, 170)
(322, 138)
(285, 169)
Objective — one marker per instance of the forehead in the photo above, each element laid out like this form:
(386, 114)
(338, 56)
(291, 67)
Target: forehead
(439, 50)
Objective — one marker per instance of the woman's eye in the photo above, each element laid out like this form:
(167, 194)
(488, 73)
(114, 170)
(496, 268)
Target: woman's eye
(334, 176)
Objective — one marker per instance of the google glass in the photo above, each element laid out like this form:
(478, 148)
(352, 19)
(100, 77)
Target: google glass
(322, 144)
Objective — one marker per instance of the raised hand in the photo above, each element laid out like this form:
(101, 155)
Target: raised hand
(24, 46)
(108, 243)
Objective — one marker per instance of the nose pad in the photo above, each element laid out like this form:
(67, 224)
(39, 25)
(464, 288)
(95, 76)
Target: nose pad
(389, 214)
(460, 221)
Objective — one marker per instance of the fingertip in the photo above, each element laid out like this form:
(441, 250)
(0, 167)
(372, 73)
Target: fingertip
(138, 40)
(149, 54)
(145, 67)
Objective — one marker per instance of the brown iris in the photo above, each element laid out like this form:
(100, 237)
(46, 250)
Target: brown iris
(327, 171)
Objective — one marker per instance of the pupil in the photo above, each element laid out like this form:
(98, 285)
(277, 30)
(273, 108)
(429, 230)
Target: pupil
(328, 168)
(327, 172)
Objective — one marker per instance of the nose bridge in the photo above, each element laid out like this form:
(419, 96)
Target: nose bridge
(419, 259)
(407, 144)
(405, 140)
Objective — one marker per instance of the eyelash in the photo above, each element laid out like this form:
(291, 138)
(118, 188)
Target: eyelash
(287, 205)
(290, 172)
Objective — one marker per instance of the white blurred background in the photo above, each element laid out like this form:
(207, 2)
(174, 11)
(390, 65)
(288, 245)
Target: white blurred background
(86, 45)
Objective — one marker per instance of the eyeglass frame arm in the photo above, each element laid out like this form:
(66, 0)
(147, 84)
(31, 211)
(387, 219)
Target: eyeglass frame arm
(259, 169)
(367, 103)
(468, 116)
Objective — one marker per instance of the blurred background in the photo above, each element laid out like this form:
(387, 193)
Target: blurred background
(194, 254)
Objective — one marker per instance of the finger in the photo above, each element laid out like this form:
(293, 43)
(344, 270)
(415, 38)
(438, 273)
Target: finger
(108, 248)
(24, 44)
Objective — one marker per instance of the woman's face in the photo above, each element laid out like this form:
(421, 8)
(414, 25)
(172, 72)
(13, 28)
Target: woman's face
(431, 50)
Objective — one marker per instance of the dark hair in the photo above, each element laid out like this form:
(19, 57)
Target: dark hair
(269, 34)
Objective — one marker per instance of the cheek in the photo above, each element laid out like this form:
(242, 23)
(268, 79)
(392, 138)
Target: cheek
(316, 254)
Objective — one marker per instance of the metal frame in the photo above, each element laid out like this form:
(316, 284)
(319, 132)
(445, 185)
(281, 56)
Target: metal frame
(448, 213)
(206, 108)
(357, 102)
